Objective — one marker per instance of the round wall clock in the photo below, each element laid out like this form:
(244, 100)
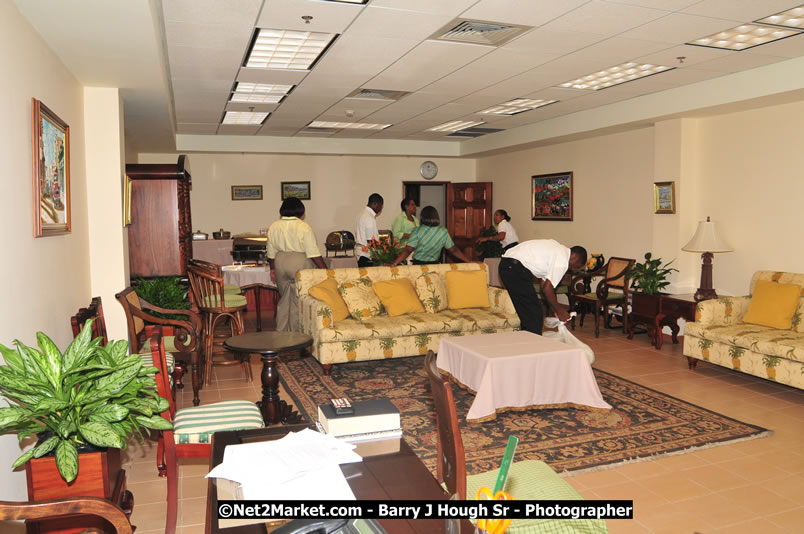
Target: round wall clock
(428, 170)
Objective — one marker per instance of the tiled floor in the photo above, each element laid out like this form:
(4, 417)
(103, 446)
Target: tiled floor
(750, 487)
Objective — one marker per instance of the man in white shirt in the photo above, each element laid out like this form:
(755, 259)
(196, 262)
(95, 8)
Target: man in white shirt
(547, 260)
(367, 228)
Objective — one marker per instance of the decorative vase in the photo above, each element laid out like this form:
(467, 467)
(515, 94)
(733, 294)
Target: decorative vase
(595, 262)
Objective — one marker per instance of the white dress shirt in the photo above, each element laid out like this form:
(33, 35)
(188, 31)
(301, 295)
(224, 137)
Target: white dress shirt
(545, 258)
(510, 233)
(366, 229)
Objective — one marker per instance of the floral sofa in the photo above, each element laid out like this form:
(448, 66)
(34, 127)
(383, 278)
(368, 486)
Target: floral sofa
(718, 335)
(383, 336)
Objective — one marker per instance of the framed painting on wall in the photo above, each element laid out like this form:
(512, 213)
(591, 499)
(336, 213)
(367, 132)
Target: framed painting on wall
(246, 192)
(664, 197)
(300, 190)
(551, 197)
(51, 172)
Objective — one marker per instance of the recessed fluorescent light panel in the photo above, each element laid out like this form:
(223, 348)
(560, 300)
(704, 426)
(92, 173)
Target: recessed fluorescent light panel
(792, 18)
(348, 1)
(743, 37)
(353, 125)
(454, 126)
(285, 49)
(627, 72)
(520, 105)
(247, 118)
(260, 93)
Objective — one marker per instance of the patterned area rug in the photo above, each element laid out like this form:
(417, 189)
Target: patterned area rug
(643, 423)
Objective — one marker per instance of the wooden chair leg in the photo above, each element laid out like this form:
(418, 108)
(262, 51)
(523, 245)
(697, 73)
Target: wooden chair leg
(209, 343)
(160, 457)
(597, 321)
(172, 488)
(178, 373)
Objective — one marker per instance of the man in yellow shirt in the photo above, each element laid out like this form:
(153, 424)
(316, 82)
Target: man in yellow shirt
(291, 247)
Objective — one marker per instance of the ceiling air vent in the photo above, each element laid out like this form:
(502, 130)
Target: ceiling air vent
(377, 94)
(476, 32)
(474, 132)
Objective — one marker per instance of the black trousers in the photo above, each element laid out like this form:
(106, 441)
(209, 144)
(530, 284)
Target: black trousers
(363, 261)
(519, 282)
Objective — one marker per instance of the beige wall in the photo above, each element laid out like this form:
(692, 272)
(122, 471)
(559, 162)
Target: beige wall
(612, 181)
(339, 187)
(44, 280)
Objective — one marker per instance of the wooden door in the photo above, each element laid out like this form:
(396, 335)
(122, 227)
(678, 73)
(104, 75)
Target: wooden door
(468, 210)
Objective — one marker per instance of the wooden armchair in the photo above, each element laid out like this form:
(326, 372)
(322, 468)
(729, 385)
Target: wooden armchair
(183, 336)
(93, 311)
(65, 507)
(527, 480)
(612, 290)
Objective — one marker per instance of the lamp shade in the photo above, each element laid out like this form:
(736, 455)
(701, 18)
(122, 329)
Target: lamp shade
(707, 239)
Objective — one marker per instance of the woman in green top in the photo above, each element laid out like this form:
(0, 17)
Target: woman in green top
(405, 222)
(426, 241)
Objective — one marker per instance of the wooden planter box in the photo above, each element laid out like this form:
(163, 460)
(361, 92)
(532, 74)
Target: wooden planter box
(99, 475)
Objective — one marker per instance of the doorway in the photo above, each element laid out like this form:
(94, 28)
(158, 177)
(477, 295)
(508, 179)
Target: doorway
(428, 194)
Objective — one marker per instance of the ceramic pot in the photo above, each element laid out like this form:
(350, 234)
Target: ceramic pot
(221, 234)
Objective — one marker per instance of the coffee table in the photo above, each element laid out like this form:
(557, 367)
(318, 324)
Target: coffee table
(269, 345)
(518, 370)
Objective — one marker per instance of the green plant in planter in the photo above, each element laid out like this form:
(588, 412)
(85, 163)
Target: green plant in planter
(167, 292)
(651, 277)
(489, 249)
(88, 395)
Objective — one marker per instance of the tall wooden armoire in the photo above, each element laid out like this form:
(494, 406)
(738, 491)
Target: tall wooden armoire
(160, 237)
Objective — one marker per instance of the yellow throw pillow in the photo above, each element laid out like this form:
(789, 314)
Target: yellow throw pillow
(467, 289)
(327, 291)
(398, 297)
(360, 298)
(432, 292)
(773, 304)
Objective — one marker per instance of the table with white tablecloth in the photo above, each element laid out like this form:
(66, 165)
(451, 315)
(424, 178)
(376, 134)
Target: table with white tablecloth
(519, 370)
(261, 292)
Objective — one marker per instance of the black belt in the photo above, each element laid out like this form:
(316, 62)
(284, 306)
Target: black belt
(512, 260)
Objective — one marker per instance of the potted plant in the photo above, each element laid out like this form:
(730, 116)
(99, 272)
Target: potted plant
(489, 249)
(649, 278)
(88, 398)
(166, 292)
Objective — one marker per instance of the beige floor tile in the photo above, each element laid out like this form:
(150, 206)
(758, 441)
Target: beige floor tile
(195, 529)
(644, 498)
(674, 486)
(671, 520)
(792, 520)
(193, 467)
(192, 511)
(716, 510)
(760, 500)
(755, 526)
(716, 478)
(626, 526)
(599, 479)
(642, 470)
(192, 487)
(149, 516)
(150, 492)
(756, 468)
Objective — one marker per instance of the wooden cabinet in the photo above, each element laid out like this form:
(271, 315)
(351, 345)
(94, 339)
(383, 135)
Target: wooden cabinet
(160, 237)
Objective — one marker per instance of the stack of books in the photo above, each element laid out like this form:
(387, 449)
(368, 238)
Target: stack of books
(372, 420)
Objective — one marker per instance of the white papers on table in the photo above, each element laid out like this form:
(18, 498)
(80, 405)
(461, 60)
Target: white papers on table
(302, 465)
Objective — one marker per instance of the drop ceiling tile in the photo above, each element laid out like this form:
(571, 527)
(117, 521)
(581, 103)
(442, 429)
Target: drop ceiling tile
(742, 10)
(616, 50)
(187, 86)
(444, 7)
(196, 128)
(529, 13)
(231, 12)
(478, 101)
(555, 41)
(677, 28)
(450, 112)
(550, 74)
(426, 63)
(789, 47)
(237, 129)
(203, 70)
(376, 21)
(350, 54)
(277, 76)
(199, 115)
(556, 93)
(693, 55)
(215, 36)
(250, 106)
(328, 17)
(604, 17)
(739, 61)
(668, 5)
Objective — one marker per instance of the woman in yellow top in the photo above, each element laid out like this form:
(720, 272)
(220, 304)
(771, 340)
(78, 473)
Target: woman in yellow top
(291, 247)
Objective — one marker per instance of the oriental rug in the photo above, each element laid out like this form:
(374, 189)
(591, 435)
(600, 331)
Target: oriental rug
(643, 423)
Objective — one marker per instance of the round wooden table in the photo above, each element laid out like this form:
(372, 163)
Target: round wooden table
(269, 345)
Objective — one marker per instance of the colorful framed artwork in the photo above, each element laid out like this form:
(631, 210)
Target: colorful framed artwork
(246, 192)
(664, 197)
(51, 172)
(300, 190)
(551, 197)
(127, 186)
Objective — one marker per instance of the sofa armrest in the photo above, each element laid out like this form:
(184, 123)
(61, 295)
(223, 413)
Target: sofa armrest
(315, 315)
(499, 300)
(721, 311)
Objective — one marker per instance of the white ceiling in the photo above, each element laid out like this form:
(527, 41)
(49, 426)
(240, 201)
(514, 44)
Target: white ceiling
(177, 61)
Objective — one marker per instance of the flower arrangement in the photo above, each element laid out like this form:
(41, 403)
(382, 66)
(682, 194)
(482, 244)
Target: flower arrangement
(384, 250)
(489, 249)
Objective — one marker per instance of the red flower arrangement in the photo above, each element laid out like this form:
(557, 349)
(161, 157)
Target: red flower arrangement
(384, 250)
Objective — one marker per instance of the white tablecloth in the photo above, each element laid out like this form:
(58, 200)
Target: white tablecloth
(213, 250)
(518, 370)
(243, 275)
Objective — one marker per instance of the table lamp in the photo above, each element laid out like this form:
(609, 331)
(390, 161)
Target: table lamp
(707, 241)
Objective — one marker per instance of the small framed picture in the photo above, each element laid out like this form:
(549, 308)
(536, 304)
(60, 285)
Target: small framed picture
(551, 197)
(51, 172)
(664, 197)
(246, 192)
(300, 190)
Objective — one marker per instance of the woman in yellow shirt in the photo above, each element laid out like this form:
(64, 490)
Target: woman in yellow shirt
(291, 247)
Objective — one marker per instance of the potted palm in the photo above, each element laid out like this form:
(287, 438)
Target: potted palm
(83, 404)
(649, 278)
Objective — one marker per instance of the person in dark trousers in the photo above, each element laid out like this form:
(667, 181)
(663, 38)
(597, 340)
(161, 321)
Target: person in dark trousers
(548, 261)
(367, 228)
(506, 234)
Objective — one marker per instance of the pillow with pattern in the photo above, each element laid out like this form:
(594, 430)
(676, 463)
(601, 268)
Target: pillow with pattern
(432, 291)
(360, 298)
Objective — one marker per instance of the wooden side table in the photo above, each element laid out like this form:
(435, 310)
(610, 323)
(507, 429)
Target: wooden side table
(657, 311)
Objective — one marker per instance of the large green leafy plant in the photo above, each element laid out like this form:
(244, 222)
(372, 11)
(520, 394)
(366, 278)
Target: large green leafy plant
(650, 277)
(167, 292)
(489, 249)
(88, 395)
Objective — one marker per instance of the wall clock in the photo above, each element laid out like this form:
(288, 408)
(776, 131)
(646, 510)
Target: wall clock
(428, 170)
